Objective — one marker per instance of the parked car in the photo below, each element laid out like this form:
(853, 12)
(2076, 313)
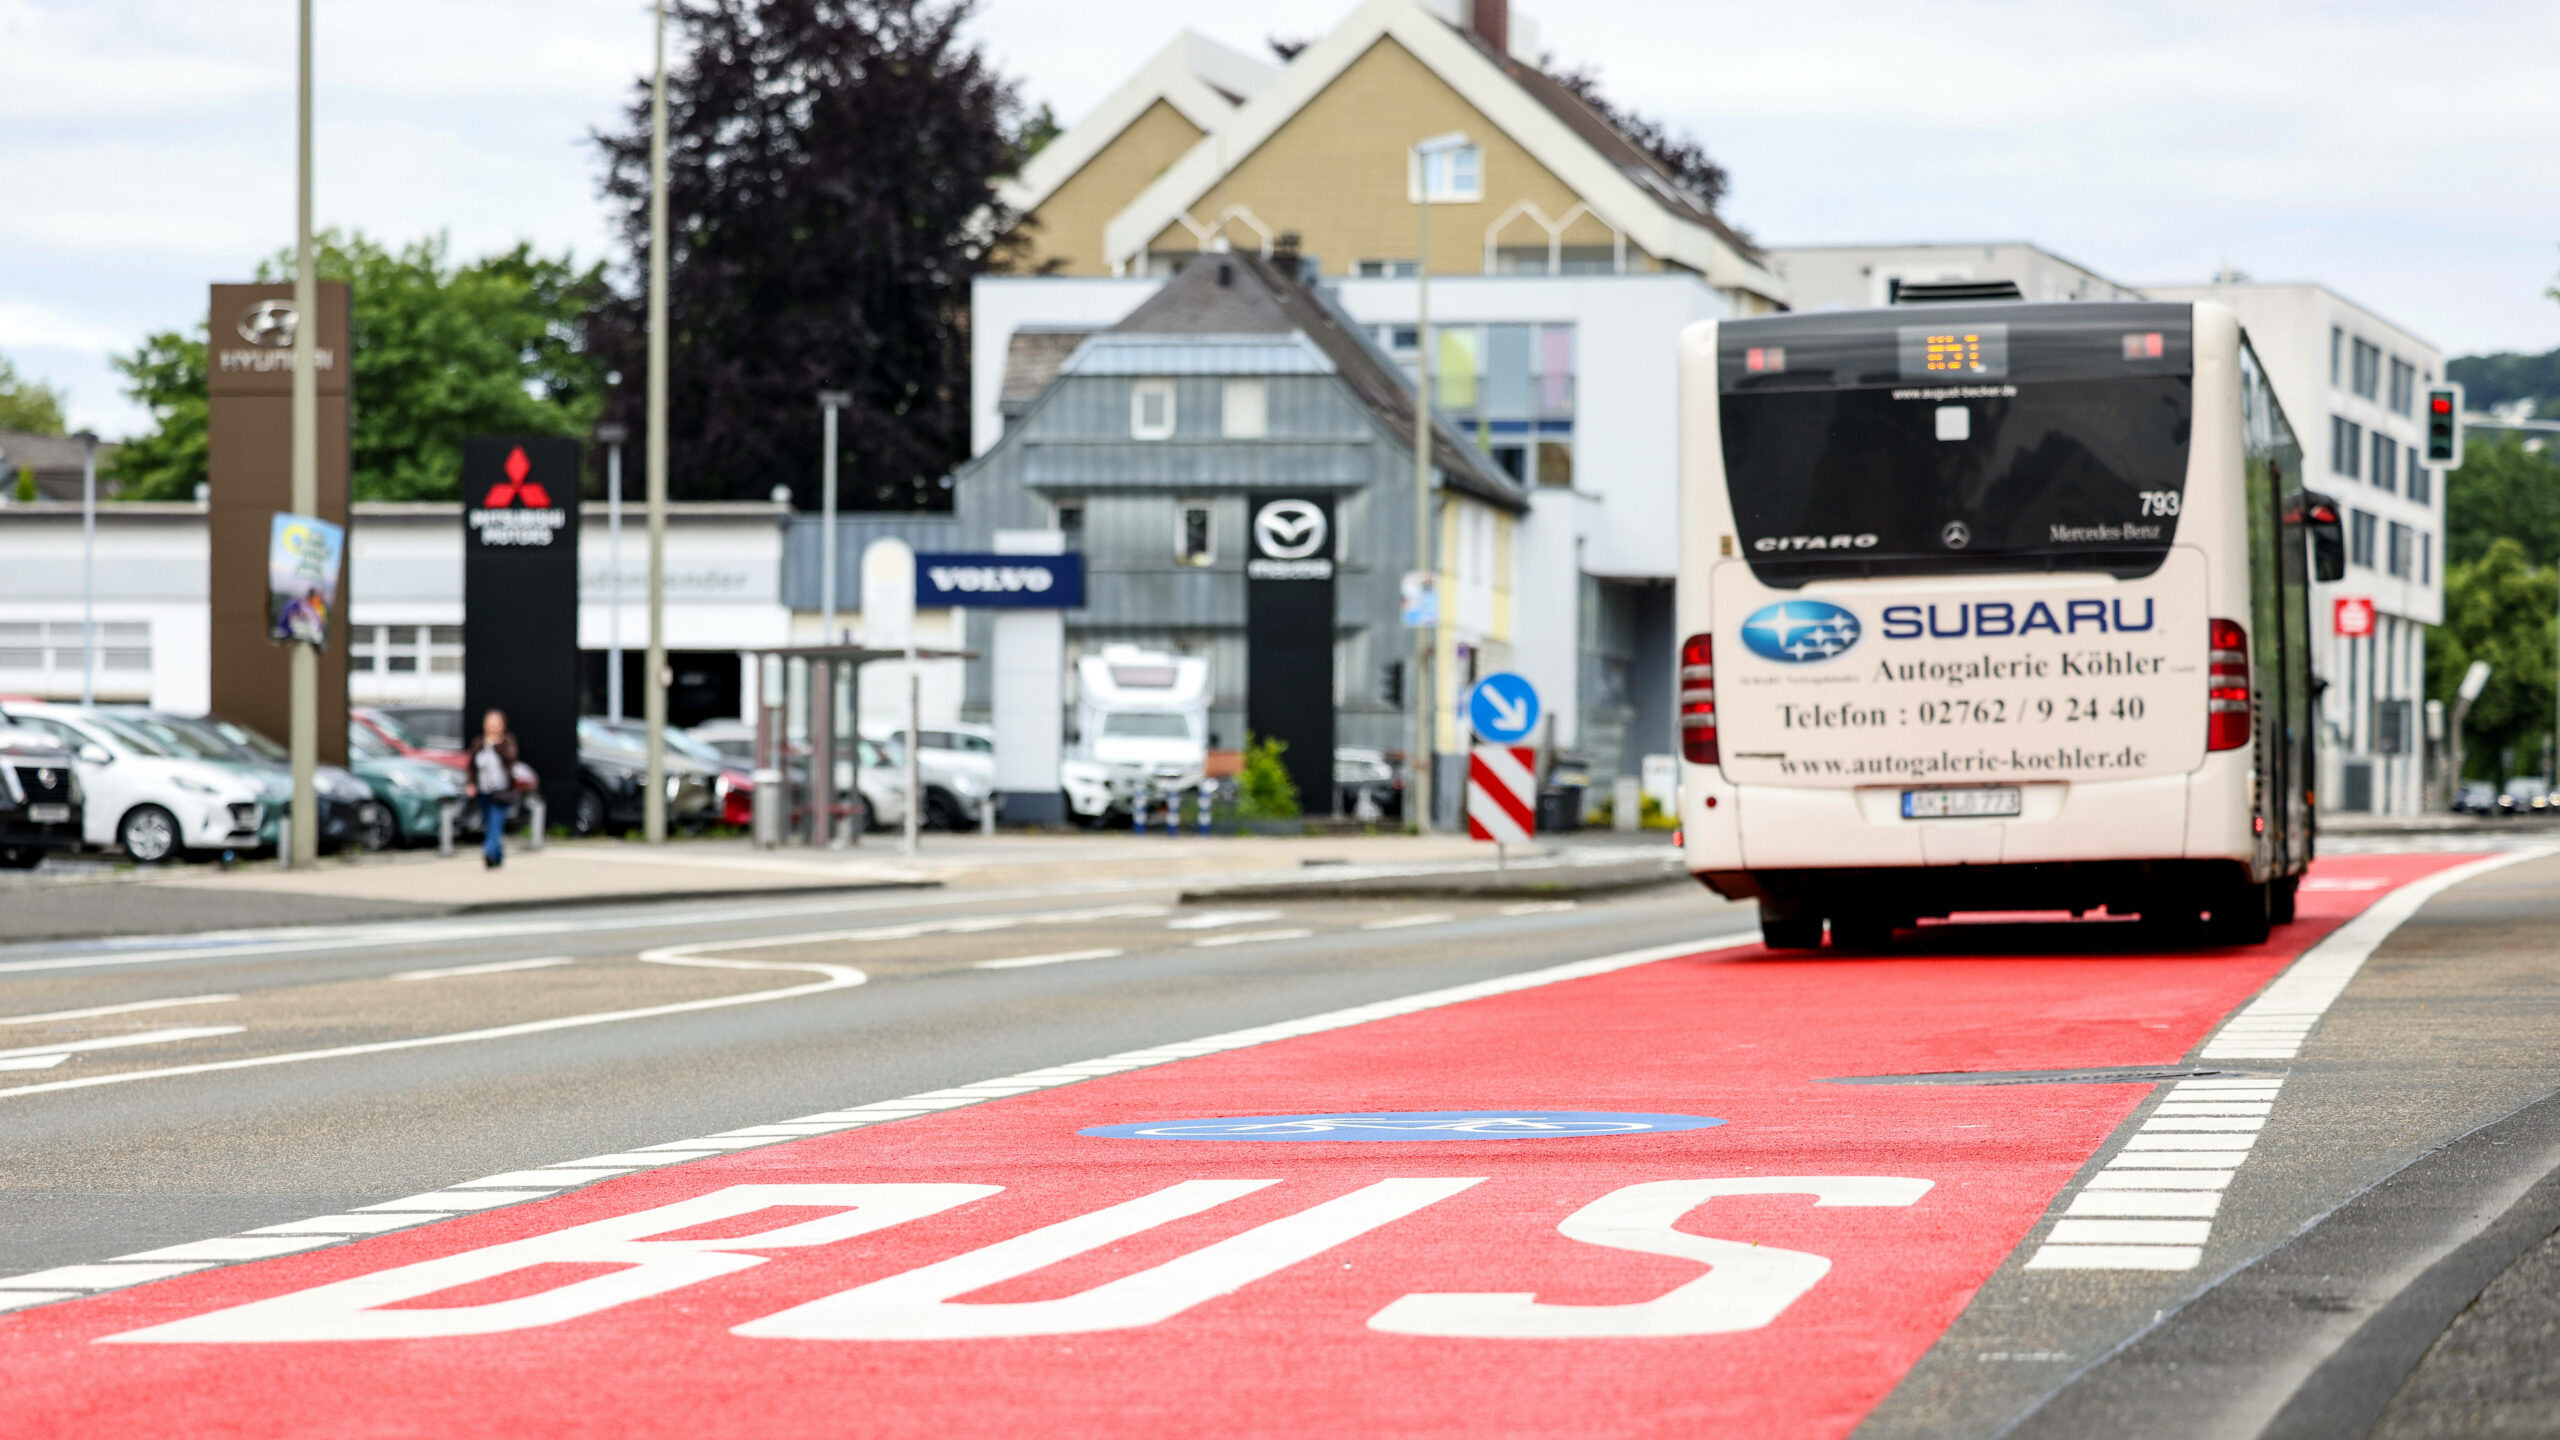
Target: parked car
(734, 790)
(433, 727)
(881, 782)
(2476, 797)
(2525, 795)
(348, 814)
(391, 730)
(956, 766)
(410, 792)
(1370, 786)
(40, 797)
(613, 767)
(140, 797)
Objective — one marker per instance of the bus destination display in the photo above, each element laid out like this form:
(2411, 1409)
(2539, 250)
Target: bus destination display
(1954, 352)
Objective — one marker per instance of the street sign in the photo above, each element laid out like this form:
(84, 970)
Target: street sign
(1421, 600)
(2354, 616)
(1000, 582)
(888, 593)
(1503, 707)
(1502, 793)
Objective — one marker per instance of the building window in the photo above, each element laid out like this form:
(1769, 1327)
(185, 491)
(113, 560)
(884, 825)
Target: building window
(2403, 548)
(123, 646)
(2426, 558)
(2421, 484)
(1071, 523)
(2337, 356)
(2346, 446)
(1244, 411)
(1555, 464)
(1195, 534)
(2404, 386)
(2360, 531)
(2386, 463)
(1151, 410)
(1383, 269)
(1453, 176)
(444, 649)
(2366, 379)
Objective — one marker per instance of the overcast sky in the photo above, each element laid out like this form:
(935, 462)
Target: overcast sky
(2406, 159)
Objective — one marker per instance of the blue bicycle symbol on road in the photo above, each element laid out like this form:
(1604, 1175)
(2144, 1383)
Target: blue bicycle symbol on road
(1409, 1125)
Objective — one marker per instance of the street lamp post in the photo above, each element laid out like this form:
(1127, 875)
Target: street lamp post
(88, 567)
(613, 433)
(1426, 639)
(653, 689)
(829, 402)
(304, 725)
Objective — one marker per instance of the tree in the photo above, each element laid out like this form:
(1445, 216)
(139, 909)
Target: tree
(831, 193)
(2489, 381)
(1682, 155)
(2498, 608)
(166, 377)
(29, 406)
(2502, 489)
(442, 351)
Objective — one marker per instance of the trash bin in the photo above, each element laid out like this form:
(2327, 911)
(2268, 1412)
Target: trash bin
(1559, 809)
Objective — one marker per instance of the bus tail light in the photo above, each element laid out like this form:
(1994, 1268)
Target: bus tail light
(2227, 705)
(1698, 700)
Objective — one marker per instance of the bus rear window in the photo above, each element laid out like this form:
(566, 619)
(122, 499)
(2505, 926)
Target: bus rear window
(2059, 442)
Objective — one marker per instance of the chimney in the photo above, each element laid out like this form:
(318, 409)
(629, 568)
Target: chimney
(1491, 21)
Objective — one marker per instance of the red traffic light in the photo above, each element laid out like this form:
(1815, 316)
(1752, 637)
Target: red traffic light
(2441, 404)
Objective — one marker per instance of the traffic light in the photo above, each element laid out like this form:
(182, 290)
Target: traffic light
(2444, 426)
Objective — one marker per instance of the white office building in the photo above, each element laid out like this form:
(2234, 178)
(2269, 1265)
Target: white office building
(2353, 384)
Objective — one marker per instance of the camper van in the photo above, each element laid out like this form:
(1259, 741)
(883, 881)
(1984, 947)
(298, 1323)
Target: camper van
(1142, 720)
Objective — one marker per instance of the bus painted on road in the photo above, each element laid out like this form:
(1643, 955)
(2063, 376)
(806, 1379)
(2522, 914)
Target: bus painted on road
(1993, 605)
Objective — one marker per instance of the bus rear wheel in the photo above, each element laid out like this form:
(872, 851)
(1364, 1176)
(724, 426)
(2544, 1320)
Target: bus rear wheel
(2241, 915)
(1785, 927)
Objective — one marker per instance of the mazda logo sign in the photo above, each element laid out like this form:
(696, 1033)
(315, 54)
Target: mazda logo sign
(268, 324)
(1289, 529)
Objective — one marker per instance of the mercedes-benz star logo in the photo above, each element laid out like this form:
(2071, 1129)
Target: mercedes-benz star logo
(1956, 535)
(1289, 529)
(269, 324)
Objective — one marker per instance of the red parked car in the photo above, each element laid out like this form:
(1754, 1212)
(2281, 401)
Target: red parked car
(392, 732)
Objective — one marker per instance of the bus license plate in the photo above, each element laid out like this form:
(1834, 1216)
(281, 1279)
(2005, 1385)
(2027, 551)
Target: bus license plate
(1962, 804)
(48, 814)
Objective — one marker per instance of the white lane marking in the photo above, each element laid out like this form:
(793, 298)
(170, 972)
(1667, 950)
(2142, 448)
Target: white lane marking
(119, 1042)
(2150, 1161)
(235, 1247)
(385, 1218)
(1249, 937)
(1017, 962)
(2131, 1232)
(125, 1009)
(2274, 1025)
(100, 1277)
(2145, 1202)
(33, 1062)
(1399, 922)
(457, 1200)
(838, 977)
(1219, 919)
(21, 1299)
(2113, 1179)
(557, 1177)
(500, 967)
(1540, 907)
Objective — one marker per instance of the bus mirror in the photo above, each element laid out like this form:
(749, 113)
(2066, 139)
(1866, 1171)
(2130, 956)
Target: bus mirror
(2328, 537)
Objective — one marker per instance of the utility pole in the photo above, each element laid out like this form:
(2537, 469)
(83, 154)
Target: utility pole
(305, 696)
(1425, 697)
(829, 402)
(653, 688)
(613, 433)
(88, 567)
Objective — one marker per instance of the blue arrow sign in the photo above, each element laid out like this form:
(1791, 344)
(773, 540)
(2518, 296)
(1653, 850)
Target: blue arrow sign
(1503, 707)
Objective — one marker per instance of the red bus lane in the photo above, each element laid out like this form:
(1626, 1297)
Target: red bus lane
(1539, 1233)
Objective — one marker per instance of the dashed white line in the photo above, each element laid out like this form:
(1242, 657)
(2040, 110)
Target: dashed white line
(1399, 922)
(1219, 919)
(127, 1008)
(1250, 937)
(499, 967)
(1540, 907)
(1017, 962)
(119, 1042)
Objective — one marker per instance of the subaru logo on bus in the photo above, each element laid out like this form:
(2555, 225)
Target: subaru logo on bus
(1409, 1125)
(1796, 632)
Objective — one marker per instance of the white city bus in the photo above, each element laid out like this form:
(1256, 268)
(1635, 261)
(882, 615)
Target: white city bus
(1994, 606)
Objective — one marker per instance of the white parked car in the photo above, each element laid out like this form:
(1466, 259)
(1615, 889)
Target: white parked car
(143, 799)
(956, 765)
(882, 782)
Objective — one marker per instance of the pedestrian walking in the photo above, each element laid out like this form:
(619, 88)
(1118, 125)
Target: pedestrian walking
(490, 779)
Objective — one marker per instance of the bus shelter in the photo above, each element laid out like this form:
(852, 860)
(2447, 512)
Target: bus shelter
(808, 740)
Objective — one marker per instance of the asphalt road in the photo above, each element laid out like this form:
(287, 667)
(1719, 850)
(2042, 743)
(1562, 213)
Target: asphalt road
(2373, 1179)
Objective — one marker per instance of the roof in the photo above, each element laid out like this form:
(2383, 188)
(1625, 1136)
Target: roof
(1031, 361)
(1201, 79)
(1231, 301)
(56, 461)
(1621, 184)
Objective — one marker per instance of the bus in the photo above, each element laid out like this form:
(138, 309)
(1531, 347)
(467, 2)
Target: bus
(1992, 605)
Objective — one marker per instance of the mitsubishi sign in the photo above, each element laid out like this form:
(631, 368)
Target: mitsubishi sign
(520, 601)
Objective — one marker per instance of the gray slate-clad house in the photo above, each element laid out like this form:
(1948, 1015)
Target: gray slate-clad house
(1146, 449)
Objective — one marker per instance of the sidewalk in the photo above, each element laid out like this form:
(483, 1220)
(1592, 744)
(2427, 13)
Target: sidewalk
(99, 902)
